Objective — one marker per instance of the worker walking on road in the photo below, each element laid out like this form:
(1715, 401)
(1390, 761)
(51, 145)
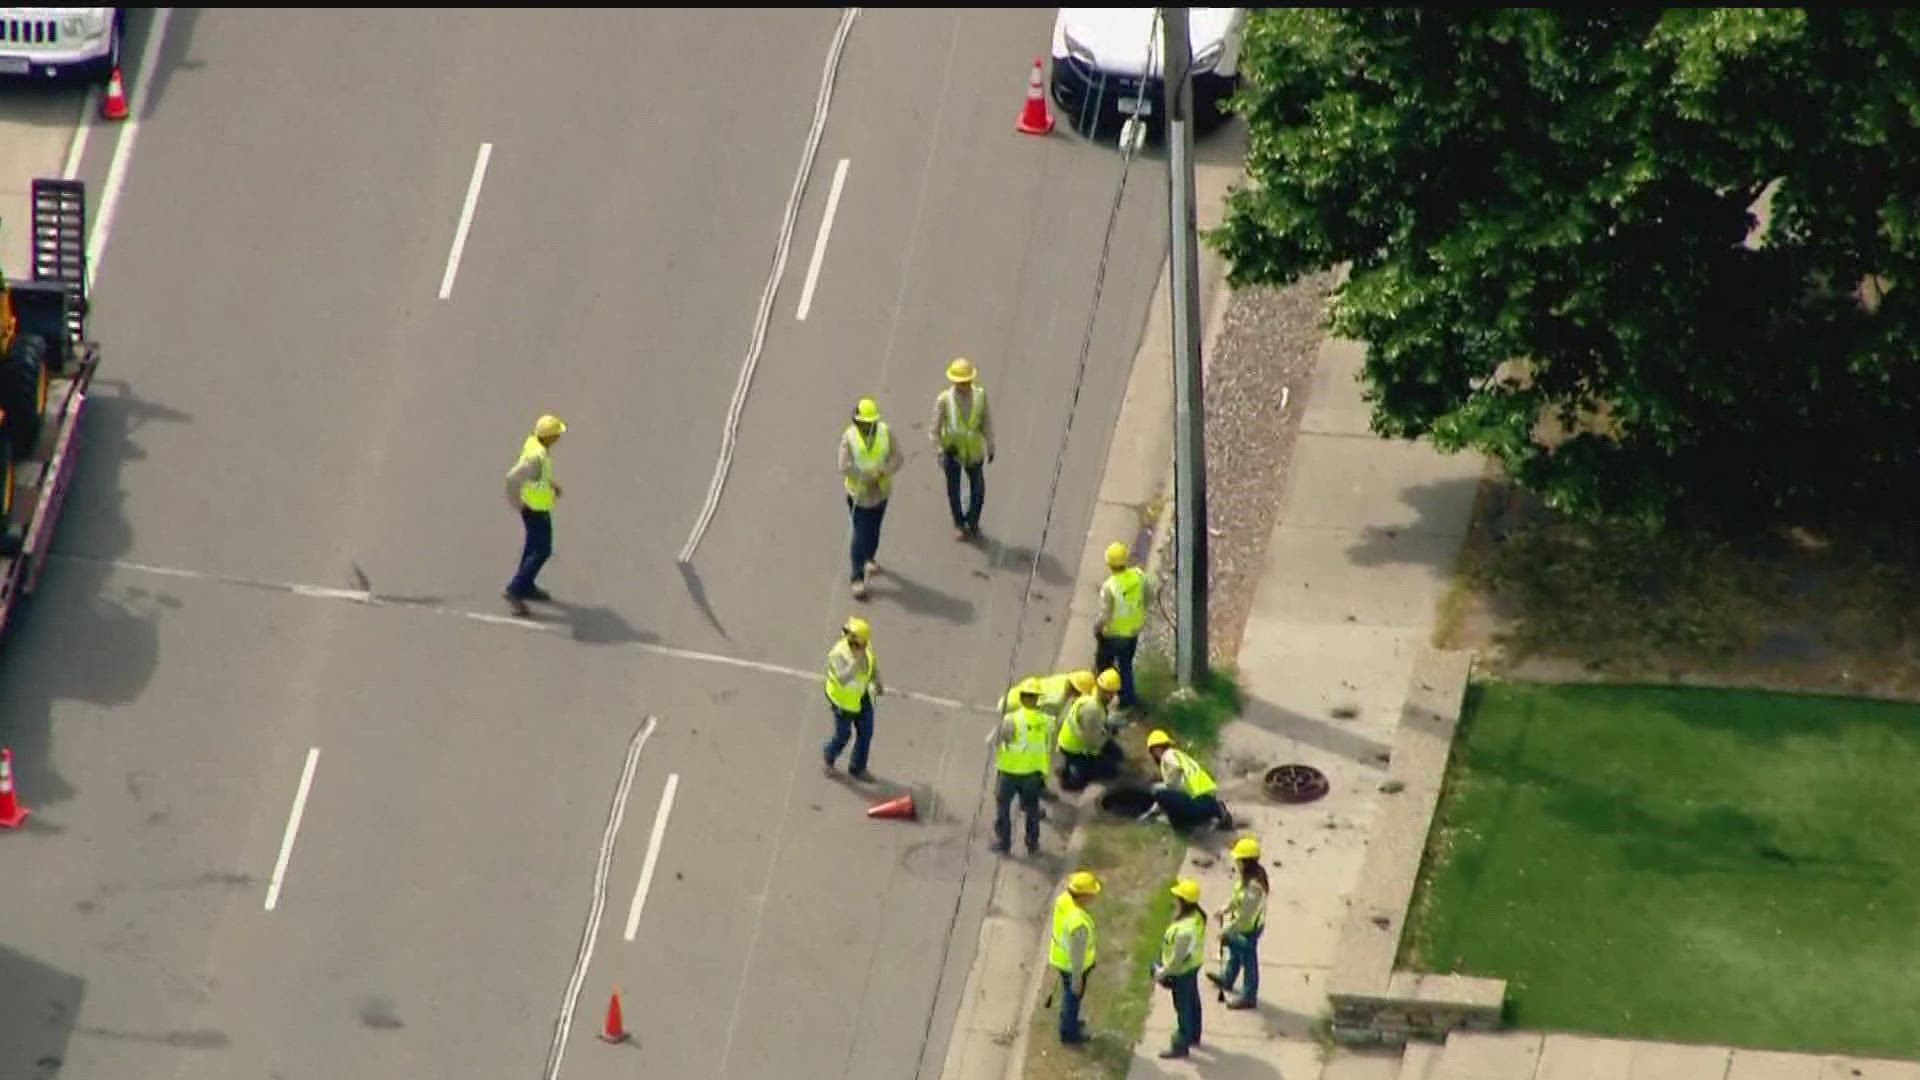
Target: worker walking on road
(531, 491)
(1071, 953)
(962, 430)
(1124, 598)
(1088, 750)
(1182, 950)
(1241, 923)
(868, 460)
(1186, 794)
(853, 681)
(1023, 752)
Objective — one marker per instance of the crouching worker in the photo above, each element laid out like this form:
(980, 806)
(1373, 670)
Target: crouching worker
(1185, 793)
(1088, 750)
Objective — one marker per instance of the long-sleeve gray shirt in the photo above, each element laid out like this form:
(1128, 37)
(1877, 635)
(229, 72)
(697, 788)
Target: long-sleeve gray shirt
(869, 494)
(525, 471)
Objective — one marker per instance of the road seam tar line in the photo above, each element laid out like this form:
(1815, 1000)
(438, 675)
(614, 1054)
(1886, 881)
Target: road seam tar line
(293, 828)
(653, 854)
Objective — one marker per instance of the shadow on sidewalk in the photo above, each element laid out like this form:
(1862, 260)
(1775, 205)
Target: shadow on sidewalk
(1443, 508)
(1321, 734)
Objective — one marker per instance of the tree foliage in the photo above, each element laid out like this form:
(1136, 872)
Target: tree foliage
(1547, 220)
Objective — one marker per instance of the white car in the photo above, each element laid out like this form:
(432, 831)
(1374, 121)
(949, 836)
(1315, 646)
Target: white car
(49, 43)
(1106, 64)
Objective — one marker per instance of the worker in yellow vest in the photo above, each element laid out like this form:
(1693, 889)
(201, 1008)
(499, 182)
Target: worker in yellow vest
(962, 430)
(1055, 692)
(1242, 922)
(1186, 793)
(1071, 952)
(853, 681)
(869, 458)
(1023, 752)
(1182, 950)
(1088, 750)
(532, 491)
(1124, 599)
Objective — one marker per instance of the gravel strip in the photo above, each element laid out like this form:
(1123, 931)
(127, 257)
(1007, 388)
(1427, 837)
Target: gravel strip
(1265, 355)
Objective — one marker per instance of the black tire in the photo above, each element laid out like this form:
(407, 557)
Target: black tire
(23, 394)
(6, 484)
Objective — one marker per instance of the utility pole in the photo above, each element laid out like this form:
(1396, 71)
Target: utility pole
(1190, 446)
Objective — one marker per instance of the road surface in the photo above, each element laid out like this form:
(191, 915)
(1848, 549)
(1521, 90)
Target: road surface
(271, 636)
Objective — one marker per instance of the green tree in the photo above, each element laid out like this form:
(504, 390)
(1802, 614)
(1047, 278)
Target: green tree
(1546, 215)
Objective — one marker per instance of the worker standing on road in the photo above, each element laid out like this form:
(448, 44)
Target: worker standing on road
(1241, 923)
(962, 430)
(1088, 750)
(531, 491)
(853, 681)
(868, 460)
(1182, 949)
(1124, 598)
(1186, 794)
(1022, 755)
(1071, 952)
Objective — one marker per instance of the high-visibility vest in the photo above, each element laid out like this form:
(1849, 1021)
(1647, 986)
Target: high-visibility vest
(1083, 716)
(1069, 916)
(536, 494)
(1194, 925)
(847, 696)
(1028, 754)
(1243, 914)
(1194, 779)
(1128, 589)
(960, 435)
(1053, 694)
(869, 457)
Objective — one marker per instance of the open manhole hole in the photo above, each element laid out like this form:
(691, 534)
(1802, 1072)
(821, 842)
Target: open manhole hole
(1295, 783)
(1127, 802)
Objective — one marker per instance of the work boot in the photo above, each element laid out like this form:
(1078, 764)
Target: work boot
(517, 605)
(873, 568)
(1173, 1052)
(861, 775)
(859, 589)
(540, 594)
(1240, 1003)
(1000, 847)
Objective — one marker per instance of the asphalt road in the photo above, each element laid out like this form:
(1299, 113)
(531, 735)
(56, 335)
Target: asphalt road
(286, 403)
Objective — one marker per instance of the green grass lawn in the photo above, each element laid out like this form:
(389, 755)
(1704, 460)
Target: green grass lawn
(1697, 865)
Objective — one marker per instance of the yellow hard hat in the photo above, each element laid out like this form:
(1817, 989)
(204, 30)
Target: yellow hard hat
(1083, 883)
(1246, 848)
(1030, 686)
(1081, 681)
(961, 370)
(1109, 681)
(1117, 555)
(858, 629)
(867, 411)
(549, 427)
(1187, 889)
(1158, 738)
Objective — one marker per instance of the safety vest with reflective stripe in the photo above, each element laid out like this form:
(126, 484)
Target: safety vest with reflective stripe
(848, 696)
(1053, 694)
(1194, 779)
(1069, 916)
(1194, 925)
(960, 435)
(1128, 589)
(1083, 717)
(1028, 753)
(1246, 908)
(537, 494)
(870, 458)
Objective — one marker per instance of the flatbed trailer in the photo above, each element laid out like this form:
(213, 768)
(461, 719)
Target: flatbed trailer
(47, 363)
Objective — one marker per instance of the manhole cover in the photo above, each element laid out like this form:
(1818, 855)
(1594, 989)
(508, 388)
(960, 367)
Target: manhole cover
(1295, 783)
(935, 860)
(1127, 802)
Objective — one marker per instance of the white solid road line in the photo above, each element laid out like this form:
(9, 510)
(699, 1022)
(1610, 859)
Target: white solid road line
(558, 1051)
(466, 219)
(293, 828)
(77, 146)
(123, 151)
(653, 855)
(820, 240)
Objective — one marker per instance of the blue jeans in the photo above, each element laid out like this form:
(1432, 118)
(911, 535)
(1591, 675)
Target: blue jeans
(1070, 1029)
(1027, 788)
(1186, 1009)
(866, 536)
(1117, 653)
(534, 553)
(858, 726)
(1184, 811)
(1243, 954)
(976, 490)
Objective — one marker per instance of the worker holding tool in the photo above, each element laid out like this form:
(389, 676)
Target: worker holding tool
(1186, 794)
(1088, 750)
(1022, 754)
(1071, 953)
(531, 491)
(853, 681)
(1182, 950)
(962, 430)
(1241, 923)
(1124, 598)
(868, 460)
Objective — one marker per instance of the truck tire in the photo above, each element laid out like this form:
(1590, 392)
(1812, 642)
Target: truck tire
(6, 485)
(23, 394)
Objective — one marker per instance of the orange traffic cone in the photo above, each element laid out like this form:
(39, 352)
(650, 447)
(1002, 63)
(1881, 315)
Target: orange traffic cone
(901, 807)
(614, 1030)
(1035, 119)
(11, 812)
(113, 106)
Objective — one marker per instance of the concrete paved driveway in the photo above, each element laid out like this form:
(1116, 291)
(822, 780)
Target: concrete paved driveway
(281, 564)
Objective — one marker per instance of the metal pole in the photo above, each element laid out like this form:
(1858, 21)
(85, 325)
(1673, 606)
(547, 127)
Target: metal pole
(1190, 448)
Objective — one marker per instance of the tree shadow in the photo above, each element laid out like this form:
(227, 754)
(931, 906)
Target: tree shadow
(1312, 731)
(38, 1007)
(1434, 539)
